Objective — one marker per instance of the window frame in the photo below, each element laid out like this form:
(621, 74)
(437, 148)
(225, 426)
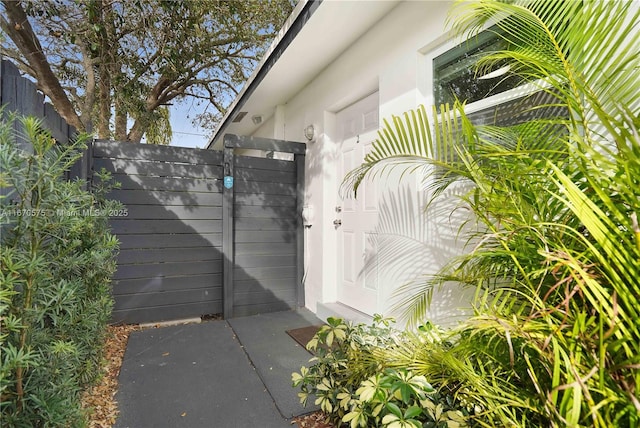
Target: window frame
(461, 51)
(448, 43)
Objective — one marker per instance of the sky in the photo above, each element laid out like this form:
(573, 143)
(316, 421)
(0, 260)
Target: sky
(185, 133)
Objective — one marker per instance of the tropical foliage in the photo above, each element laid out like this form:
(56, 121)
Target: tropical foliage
(555, 250)
(354, 380)
(56, 259)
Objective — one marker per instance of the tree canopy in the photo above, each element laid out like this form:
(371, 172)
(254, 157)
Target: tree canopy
(113, 66)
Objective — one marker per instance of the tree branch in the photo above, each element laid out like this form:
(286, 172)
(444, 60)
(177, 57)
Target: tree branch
(86, 107)
(18, 61)
(21, 33)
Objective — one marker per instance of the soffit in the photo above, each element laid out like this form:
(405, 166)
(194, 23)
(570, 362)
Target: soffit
(331, 29)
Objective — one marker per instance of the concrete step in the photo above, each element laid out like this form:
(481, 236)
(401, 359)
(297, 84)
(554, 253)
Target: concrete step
(339, 310)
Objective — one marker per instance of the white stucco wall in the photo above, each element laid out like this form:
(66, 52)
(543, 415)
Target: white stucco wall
(392, 58)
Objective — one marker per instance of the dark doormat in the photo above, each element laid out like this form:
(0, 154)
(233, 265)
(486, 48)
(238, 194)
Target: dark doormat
(305, 334)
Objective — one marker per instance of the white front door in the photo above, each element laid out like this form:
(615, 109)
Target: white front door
(356, 219)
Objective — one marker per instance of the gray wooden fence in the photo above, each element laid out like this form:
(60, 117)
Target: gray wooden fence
(18, 94)
(191, 246)
(170, 262)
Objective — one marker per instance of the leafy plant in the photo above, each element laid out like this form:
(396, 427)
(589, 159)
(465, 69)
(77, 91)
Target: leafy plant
(341, 359)
(554, 257)
(356, 383)
(397, 399)
(56, 261)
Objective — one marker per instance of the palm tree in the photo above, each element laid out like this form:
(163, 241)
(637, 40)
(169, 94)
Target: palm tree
(555, 339)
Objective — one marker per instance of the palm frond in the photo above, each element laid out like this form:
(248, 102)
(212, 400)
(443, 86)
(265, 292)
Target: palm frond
(554, 251)
(408, 142)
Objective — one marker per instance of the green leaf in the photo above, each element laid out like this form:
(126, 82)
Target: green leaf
(390, 419)
(394, 409)
(412, 412)
(356, 417)
(456, 416)
(304, 397)
(312, 345)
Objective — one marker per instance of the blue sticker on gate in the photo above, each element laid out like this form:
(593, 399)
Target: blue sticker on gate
(228, 182)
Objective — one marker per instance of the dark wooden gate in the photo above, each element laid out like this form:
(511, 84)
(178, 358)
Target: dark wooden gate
(262, 228)
(191, 246)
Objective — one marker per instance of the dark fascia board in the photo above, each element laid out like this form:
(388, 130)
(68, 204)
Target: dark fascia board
(303, 17)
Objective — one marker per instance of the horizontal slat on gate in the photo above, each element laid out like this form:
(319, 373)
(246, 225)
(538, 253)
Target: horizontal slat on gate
(125, 226)
(142, 182)
(267, 296)
(264, 273)
(169, 241)
(247, 236)
(168, 312)
(258, 143)
(150, 197)
(262, 200)
(161, 169)
(264, 164)
(156, 212)
(150, 270)
(267, 188)
(265, 248)
(254, 285)
(262, 260)
(264, 176)
(282, 224)
(169, 283)
(157, 255)
(258, 211)
(112, 149)
(162, 298)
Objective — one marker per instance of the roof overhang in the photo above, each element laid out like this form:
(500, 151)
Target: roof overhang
(314, 35)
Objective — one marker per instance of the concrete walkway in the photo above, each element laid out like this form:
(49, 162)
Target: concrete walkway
(220, 374)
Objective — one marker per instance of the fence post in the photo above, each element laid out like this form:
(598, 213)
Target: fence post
(227, 228)
(299, 159)
(82, 169)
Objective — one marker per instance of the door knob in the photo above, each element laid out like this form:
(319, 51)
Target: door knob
(337, 222)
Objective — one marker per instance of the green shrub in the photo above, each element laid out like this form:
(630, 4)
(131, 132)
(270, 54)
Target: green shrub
(356, 379)
(57, 258)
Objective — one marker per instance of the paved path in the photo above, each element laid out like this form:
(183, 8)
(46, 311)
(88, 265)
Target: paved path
(275, 354)
(216, 374)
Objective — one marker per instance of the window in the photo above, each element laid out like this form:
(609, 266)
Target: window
(518, 110)
(454, 72)
(497, 97)
(455, 76)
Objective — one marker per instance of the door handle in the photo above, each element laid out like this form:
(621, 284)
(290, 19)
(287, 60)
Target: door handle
(337, 222)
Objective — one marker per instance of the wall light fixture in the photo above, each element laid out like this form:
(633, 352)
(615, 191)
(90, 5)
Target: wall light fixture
(309, 132)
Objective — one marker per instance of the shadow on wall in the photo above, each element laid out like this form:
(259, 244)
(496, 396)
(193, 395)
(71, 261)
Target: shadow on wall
(319, 170)
(414, 243)
(409, 243)
(171, 258)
